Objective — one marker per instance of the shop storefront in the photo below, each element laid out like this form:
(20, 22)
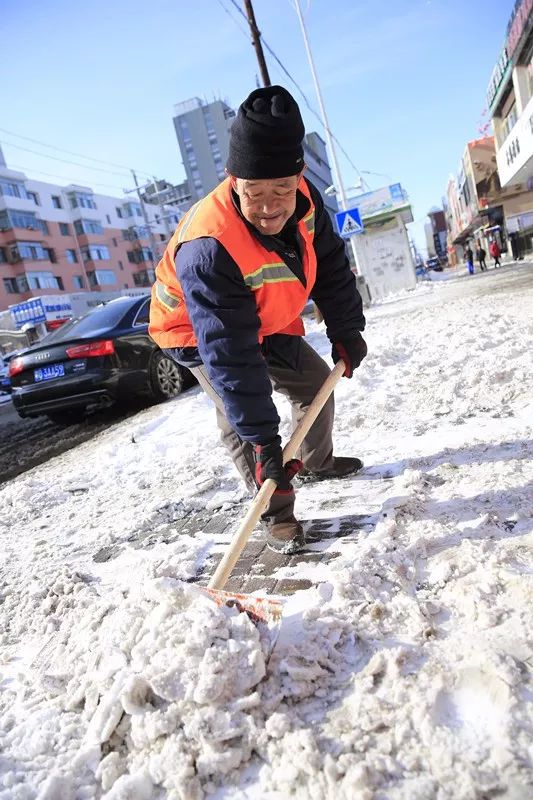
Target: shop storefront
(520, 230)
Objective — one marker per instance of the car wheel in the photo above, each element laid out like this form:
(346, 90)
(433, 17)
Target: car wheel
(167, 379)
(71, 416)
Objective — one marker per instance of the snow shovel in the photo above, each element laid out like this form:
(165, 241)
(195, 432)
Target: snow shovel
(265, 609)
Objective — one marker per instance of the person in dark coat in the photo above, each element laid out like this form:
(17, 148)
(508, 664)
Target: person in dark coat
(224, 312)
(469, 256)
(480, 256)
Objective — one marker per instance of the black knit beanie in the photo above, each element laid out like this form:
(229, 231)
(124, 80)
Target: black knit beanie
(266, 136)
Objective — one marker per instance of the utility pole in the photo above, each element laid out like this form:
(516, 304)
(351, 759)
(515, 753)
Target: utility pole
(153, 243)
(338, 176)
(256, 41)
(164, 216)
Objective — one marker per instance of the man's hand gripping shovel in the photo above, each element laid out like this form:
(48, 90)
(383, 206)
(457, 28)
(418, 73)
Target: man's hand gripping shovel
(265, 612)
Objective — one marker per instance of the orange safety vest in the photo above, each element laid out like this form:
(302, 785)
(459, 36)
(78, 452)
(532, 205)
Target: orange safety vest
(280, 296)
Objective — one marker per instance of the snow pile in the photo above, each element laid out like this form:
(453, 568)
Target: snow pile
(160, 687)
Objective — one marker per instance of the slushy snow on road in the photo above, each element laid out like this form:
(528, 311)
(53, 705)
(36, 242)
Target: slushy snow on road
(403, 673)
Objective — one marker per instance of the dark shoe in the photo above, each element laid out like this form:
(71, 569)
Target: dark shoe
(341, 468)
(284, 536)
(315, 531)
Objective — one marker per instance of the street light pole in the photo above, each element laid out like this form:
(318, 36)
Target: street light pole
(338, 176)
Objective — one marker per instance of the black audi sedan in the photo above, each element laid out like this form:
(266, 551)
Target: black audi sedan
(95, 361)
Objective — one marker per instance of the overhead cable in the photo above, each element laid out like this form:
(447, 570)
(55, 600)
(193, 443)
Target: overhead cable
(69, 152)
(63, 160)
(76, 181)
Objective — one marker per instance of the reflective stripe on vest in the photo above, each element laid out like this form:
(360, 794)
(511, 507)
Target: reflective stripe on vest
(277, 272)
(309, 221)
(187, 219)
(165, 297)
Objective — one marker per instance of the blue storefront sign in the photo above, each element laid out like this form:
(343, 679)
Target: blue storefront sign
(31, 311)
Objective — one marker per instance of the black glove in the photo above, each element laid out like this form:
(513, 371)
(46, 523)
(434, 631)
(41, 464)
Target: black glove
(352, 350)
(269, 464)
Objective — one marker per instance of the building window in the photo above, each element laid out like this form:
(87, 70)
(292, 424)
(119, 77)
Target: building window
(22, 219)
(132, 209)
(33, 196)
(31, 251)
(60, 284)
(22, 283)
(81, 200)
(3, 257)
(77, 282)
(11, 189)
(56, 201)
(140, 255)
(72, 257)
(144, 278)
(101, 277)
(82, 226)
(51, 254)
(121, 266)
(64, 229)
(95, 253)
(10, 286)
(119, 212)
(108, 218)
(510, 120)
(42, 280)
(115, 243)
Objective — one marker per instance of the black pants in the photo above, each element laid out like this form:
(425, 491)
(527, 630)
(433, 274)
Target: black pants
(299, 387)
(482, 264)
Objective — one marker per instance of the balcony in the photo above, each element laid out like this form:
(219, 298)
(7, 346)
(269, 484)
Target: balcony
(515, 156)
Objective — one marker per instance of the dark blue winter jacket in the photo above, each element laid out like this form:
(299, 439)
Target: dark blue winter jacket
(223, 313)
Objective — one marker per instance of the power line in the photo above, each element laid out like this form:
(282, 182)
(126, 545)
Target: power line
(63, 178)
(69, 152)
(236, 21)
(63, 160)
(309, 106)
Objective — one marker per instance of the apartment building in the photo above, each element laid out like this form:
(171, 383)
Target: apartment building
(56, 239)
(510, 102)
(203, 131)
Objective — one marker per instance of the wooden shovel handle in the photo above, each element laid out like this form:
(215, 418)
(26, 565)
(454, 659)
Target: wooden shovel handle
(260, 502)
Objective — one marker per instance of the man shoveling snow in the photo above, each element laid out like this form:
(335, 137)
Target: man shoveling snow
(230, 288)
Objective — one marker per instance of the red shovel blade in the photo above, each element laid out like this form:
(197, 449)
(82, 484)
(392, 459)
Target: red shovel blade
(264, 612)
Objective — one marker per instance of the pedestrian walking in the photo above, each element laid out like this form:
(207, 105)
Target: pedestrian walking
(480, 256)
(494, 250)
(229, 291)
(469, 255)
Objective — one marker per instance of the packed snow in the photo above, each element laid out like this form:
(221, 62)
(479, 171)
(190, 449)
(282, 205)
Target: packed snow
(404, 673)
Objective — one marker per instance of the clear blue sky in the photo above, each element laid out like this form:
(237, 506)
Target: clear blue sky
(403, 82)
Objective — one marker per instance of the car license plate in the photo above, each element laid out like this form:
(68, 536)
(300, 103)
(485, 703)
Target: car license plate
(47, 373)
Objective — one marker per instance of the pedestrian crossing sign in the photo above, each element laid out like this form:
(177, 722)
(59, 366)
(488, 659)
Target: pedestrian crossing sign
(349, 222)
